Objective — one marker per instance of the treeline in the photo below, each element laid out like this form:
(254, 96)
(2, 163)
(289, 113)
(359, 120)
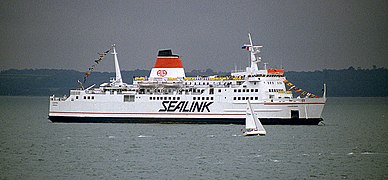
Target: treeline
(340, 83)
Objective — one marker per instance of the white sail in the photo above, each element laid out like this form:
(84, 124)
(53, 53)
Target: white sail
(250, 119)
(260, 127)
(252, 123)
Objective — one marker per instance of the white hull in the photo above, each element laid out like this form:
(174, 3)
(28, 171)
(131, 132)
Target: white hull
(255, 133)
(113, 106)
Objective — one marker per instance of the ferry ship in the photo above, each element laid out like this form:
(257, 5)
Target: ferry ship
(168, 96)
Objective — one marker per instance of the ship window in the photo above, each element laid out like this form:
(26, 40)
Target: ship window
(239, 90)
(76, 97)
(173, 98)
(88, 97)
(178, 98)
(165, 98)
(211, 98)
(256, 90)
(150, 98)
(92, 97)
(219, 90)
(251, 98)
(235, 90)
(239, 98)
(234, 98)
(129, 98)
(211, 91)
(194, 98)
(207, 98)
(169, 98)
(256, 98)
(84, 97)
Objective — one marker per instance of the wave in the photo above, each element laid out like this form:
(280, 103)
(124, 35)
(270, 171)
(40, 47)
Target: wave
(143, 136)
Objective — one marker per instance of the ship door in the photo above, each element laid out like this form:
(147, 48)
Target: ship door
(294, 114)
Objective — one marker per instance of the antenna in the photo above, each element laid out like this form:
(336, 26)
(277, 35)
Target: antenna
(324, 90)
(250, 39)
(254, 50)
(265, 66)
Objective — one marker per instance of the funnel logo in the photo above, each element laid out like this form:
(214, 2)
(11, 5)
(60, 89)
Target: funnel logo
(161, 73)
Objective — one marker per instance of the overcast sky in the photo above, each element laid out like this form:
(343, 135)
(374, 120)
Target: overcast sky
(300, 35)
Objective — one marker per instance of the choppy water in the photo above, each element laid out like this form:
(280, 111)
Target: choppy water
(352, 145)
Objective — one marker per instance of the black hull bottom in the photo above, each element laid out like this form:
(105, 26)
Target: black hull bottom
(267, 121)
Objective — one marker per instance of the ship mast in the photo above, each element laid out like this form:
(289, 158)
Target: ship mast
(118, 80)
(255, 57)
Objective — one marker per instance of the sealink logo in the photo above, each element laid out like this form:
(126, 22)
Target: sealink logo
(161, 73)
(185, 106)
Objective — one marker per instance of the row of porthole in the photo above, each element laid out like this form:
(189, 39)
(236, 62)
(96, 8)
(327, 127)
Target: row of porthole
(245, 98)
(178, 98)
(165, 98)
(246, 90)
(271, 82)
(275, 90)
(203, 98)
(86, 97)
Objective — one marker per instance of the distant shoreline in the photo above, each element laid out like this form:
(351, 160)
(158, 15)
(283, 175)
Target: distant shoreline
(349, 82)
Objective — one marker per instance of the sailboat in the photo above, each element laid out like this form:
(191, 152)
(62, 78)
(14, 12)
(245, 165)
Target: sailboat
(253, 126)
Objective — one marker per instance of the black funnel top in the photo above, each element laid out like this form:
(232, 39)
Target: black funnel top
(166, 52)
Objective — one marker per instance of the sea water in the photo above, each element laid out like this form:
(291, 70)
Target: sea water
(352, 144)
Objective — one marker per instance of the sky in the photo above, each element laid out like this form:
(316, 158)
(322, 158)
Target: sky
(298, 35)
